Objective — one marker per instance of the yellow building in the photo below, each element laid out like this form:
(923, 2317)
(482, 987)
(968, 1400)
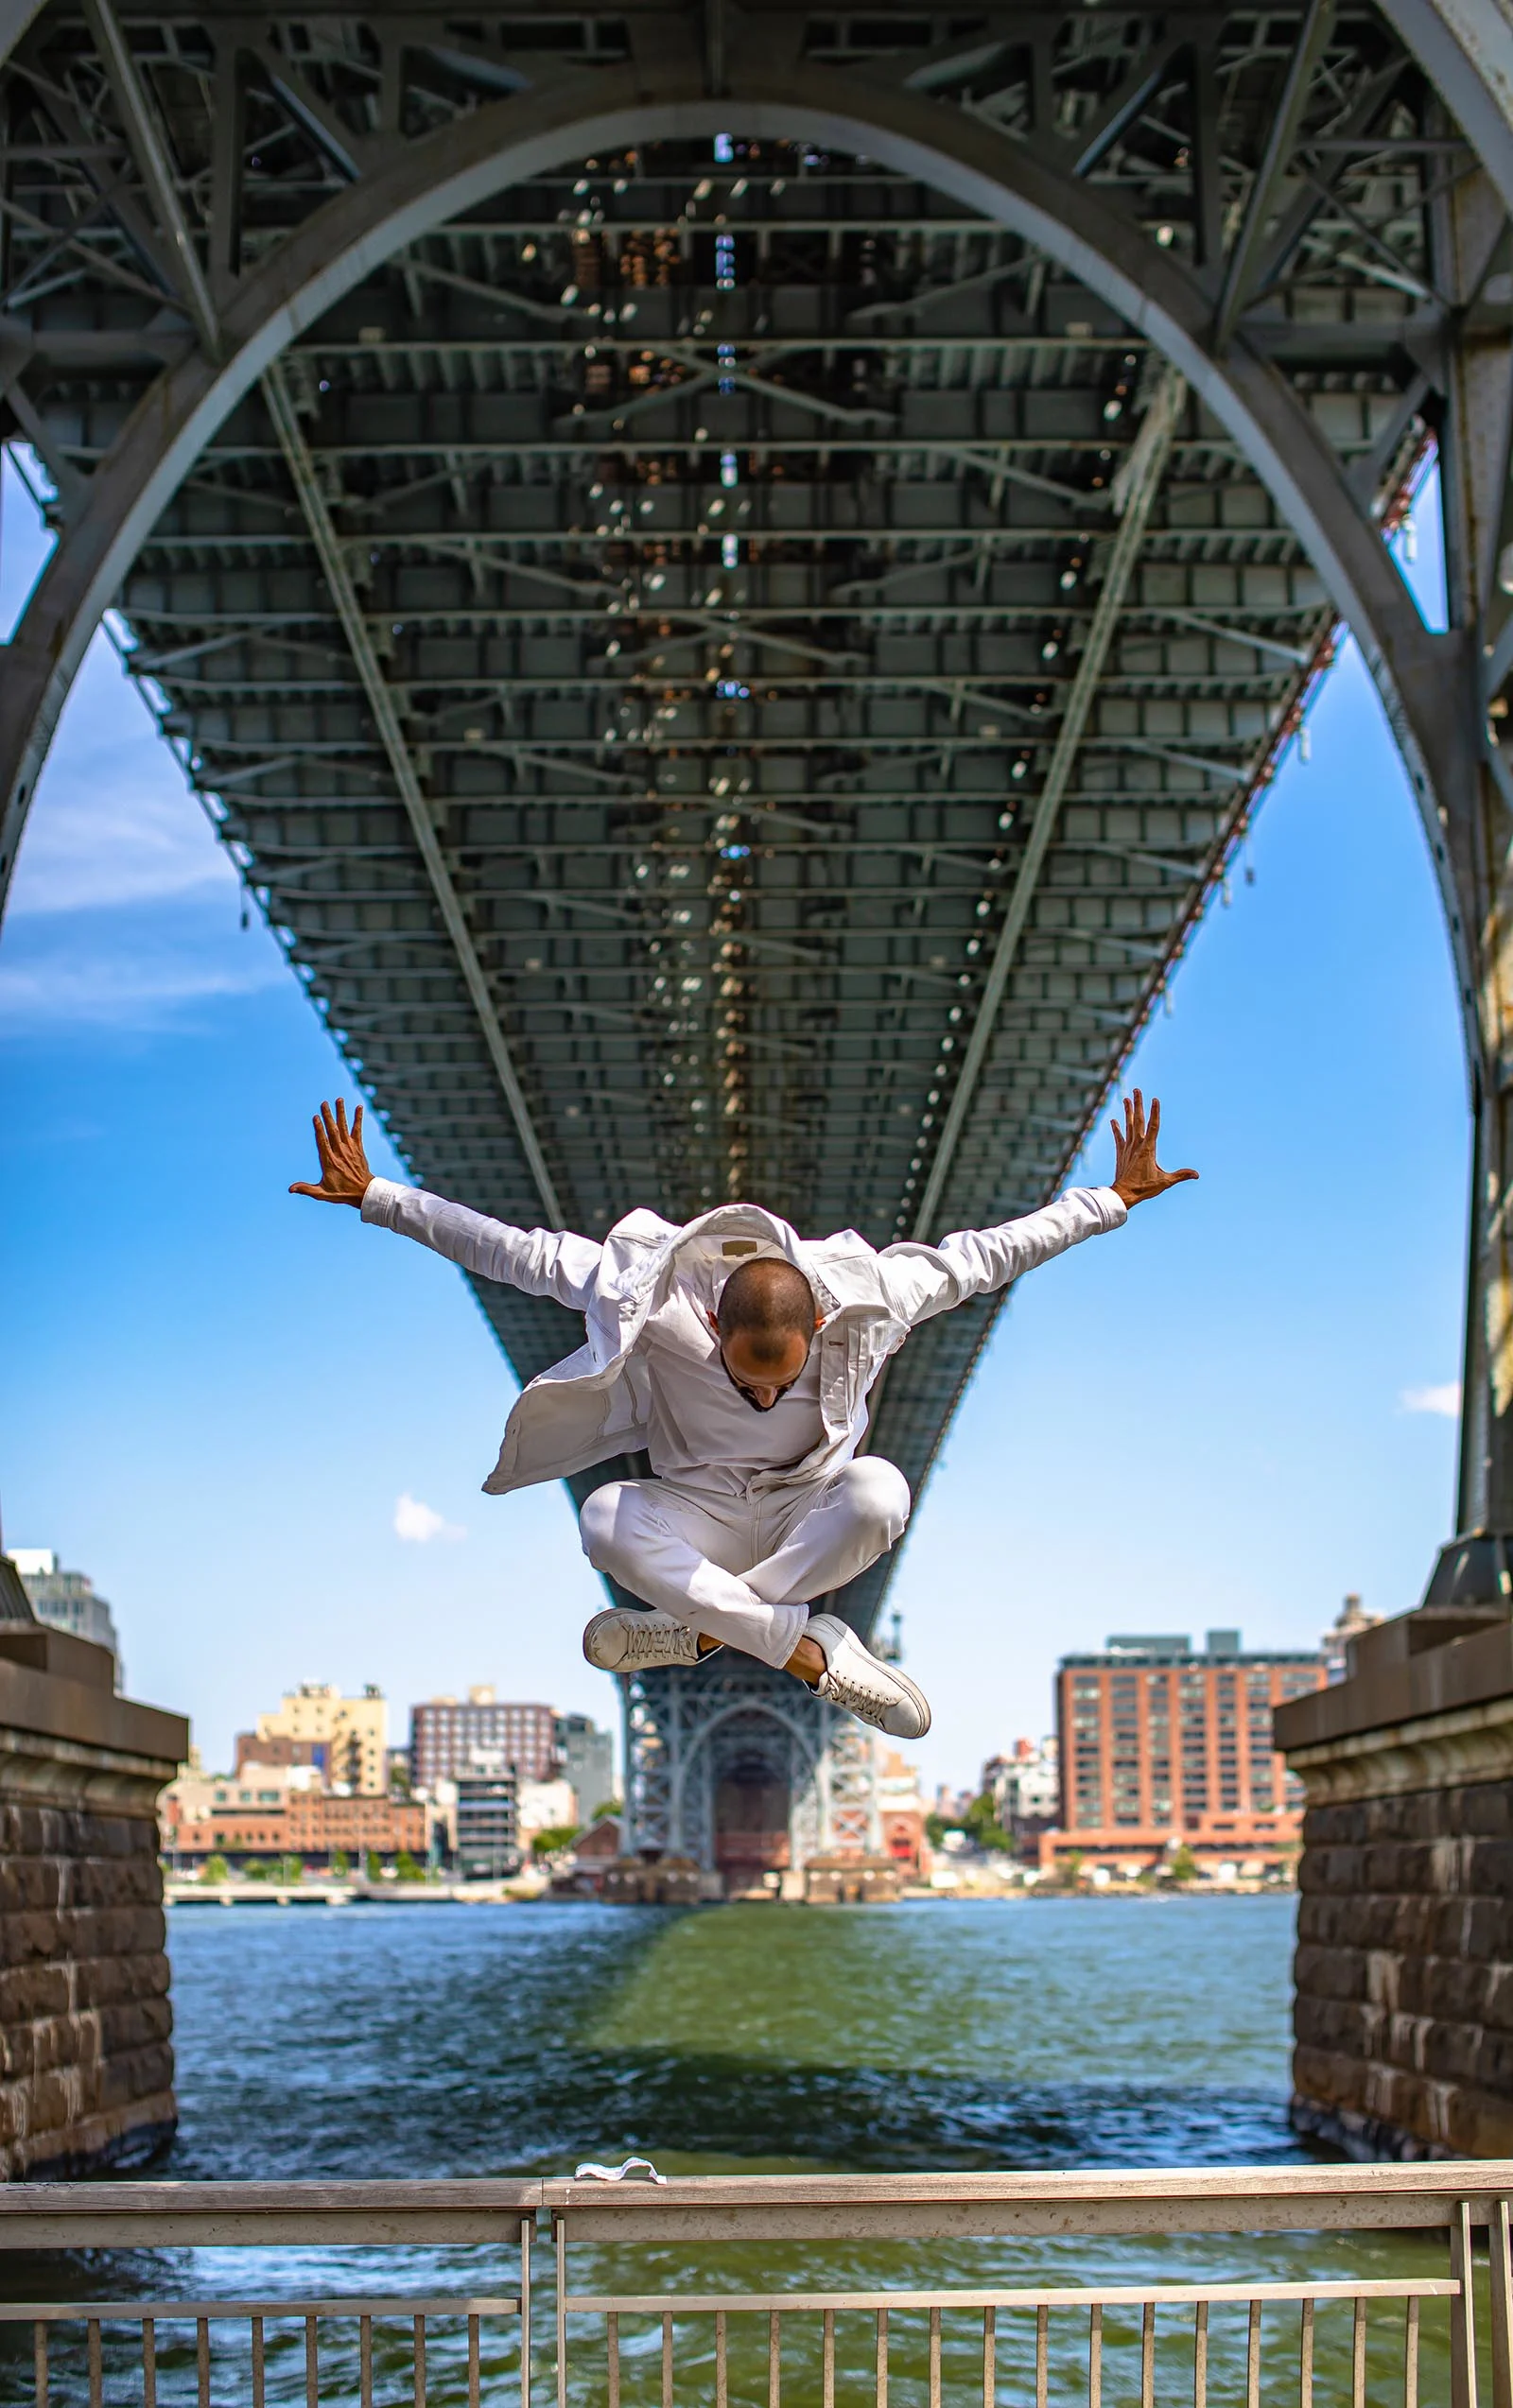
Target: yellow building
(354, 1732)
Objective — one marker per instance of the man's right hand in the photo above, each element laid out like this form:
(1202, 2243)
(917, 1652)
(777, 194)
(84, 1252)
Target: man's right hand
(344, 1174)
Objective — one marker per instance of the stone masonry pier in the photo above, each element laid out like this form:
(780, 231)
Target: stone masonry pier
(86, 2054)
(1403, 1980)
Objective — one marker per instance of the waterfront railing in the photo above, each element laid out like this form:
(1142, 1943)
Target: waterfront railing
(1372, 2285)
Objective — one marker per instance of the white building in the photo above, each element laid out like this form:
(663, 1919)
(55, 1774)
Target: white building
(67, 1600)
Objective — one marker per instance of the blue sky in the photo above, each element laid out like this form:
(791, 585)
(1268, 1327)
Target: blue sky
(1230, 1413)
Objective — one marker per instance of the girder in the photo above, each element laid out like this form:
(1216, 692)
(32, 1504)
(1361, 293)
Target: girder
(670, 547)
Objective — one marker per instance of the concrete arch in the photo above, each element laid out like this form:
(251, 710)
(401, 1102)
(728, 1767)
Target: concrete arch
(455, 169)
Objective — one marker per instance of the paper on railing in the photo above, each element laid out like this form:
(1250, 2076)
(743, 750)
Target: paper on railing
(634, 2168)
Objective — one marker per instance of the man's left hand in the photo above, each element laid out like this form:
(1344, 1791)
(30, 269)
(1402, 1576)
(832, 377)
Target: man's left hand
(1138, 1175)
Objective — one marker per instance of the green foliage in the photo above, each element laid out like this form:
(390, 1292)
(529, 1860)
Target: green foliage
(980, 1823)
(258, 1871)
(375, 1867)
(1183, 1865)
(610, 1806)
(407, 1869)
(1070, 1869)
(340, 1861)
(554, 1841)
(215, 1869)
(290, 1869)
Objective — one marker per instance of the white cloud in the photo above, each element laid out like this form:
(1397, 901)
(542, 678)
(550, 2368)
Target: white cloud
(113, 821)
(135, 987)
(423, 1522)
(1443, 1399)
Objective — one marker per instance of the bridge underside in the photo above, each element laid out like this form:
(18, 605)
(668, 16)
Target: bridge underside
(729, 672)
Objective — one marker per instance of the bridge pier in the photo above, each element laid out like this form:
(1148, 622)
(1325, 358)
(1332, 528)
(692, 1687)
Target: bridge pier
(1404, 1981)
(745, 1772)
(86, 2055)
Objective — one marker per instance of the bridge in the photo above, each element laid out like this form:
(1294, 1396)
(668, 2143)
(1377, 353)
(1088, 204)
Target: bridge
(731, 579)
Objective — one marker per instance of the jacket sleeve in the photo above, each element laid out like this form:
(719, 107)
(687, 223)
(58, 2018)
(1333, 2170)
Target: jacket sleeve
(925, 1280)
(541, 1263)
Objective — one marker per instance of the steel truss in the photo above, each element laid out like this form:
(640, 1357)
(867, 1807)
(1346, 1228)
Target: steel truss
(731, 579)
(683, 1730)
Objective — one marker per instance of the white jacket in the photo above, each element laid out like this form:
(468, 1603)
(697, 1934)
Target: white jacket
(593, 1404)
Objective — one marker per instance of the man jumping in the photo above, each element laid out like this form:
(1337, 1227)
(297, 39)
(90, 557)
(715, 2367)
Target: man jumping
(740, 1356)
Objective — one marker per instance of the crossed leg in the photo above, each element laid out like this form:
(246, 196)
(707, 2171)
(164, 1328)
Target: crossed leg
(692, 1555)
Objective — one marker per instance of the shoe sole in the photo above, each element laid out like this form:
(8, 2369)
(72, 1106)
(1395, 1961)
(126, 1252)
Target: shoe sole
(917, 1698)
(611, 1614)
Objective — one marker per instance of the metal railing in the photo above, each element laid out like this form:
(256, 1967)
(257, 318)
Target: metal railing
(653, 2323)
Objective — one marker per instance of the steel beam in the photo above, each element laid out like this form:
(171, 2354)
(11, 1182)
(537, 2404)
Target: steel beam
(448, 901)
(149, 150)
(1145, 469)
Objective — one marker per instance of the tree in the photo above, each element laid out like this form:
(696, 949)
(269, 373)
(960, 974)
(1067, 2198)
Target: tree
(1071, 1869)
(555, 1839)
(375, 1867)
(982, 1825)
(407, 1869)
(290, 1869)
(340, 1863)
(1182, 1866)
(936, 1827)
(606, 1805)
(215, 1869)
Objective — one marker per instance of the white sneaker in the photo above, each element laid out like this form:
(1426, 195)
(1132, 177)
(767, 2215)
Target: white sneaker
(853, 1677)
(618, 1640)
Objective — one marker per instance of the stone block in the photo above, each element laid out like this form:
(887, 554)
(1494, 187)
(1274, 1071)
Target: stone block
(30, 1884)
(29, 1991)
(137, 2074)
(135, 2024)
(113, 1881)
(30, 1939)
(105, 1981)
(109, 1931)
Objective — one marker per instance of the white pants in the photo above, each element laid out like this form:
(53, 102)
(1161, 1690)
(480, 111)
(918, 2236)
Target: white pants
(744, 1569)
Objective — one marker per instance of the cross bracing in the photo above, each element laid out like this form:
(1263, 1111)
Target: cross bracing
(637, 637)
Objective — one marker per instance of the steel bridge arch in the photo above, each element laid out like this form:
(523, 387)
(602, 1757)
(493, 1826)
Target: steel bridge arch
(434, 179)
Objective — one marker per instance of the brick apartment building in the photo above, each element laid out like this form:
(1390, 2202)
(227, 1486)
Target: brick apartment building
(448, 1734)
(1161, 1746)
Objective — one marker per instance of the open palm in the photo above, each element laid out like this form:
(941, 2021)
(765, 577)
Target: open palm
(1138, 1175)
(345, 1177)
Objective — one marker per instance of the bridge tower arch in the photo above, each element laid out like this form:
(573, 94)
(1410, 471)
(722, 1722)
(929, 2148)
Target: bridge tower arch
(926, 105)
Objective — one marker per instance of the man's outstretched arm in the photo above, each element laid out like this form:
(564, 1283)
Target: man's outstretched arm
(974, 1262)
(542, 1262)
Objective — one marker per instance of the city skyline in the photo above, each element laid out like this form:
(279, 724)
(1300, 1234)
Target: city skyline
(1235, 1411)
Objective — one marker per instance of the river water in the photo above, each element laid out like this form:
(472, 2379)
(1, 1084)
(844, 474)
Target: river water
(475, 2041)
(457, 2040)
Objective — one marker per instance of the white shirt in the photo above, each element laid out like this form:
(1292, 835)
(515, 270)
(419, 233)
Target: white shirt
(700, 1429)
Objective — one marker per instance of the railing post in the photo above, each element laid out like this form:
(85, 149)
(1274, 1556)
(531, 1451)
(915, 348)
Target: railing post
(1500, 2265)
(527, 2233)
(559, 2234)
(1462, 2311)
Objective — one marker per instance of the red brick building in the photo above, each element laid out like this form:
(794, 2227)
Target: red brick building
(309, 1824)
(1161, 1746)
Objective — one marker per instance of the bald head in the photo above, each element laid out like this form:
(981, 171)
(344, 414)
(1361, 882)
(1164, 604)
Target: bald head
(765, 1324)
